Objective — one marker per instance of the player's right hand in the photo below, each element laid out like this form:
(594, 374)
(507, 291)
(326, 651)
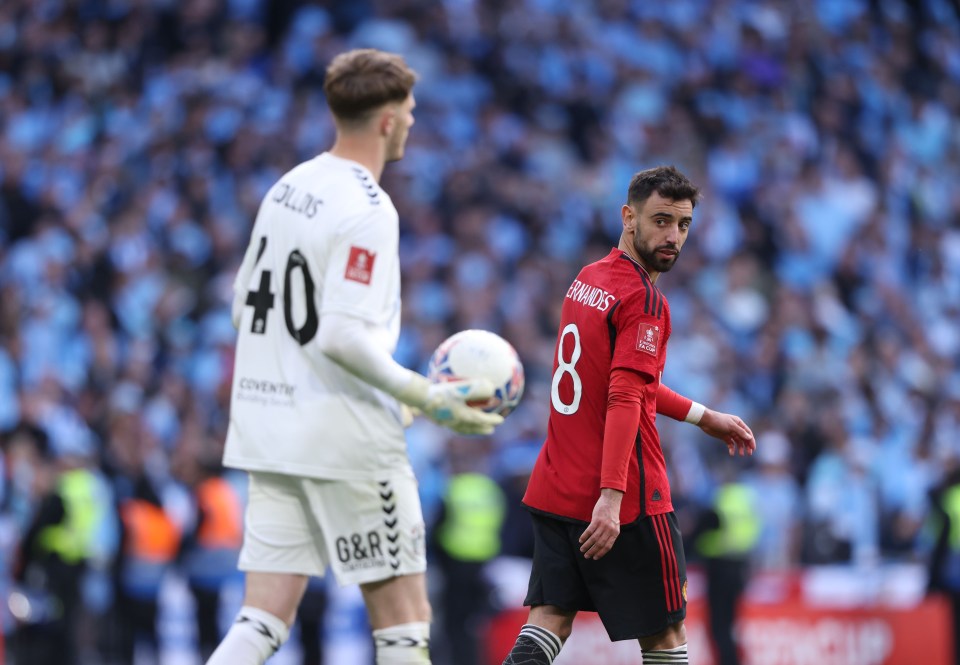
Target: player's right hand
(604, 528)
(447, 404)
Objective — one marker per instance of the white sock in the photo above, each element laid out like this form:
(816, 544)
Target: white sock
(254, 636)
(406, 644)
(675, 656)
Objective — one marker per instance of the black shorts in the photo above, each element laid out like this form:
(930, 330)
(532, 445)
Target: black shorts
(638, 588)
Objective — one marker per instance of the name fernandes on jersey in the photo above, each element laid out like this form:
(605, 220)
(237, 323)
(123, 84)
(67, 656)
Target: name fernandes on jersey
(591, 296)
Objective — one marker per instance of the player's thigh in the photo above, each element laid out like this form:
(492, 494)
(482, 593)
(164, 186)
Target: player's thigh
(281, 533)
(639, 586)
(373, 529)
(396, 601)
(555, 577)
(277, 593)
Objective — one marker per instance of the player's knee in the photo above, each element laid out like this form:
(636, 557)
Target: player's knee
(404, 644)
(557, 621)
(674, 636)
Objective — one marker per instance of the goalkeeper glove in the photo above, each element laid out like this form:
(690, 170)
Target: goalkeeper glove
(446, 403)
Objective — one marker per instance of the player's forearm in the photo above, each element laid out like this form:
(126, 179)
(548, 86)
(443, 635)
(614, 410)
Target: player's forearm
(350, 343)
(624, 410)
(672, 404)
(619, 437)
(676, 406)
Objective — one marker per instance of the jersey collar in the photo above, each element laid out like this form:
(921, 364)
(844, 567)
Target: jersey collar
(629, 258)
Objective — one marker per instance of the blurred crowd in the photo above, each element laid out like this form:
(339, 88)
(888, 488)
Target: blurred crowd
(818, 295)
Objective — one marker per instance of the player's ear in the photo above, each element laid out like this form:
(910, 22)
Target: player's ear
(629, 217)
(388, 118)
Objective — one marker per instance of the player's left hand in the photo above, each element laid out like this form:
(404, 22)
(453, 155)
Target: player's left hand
(730, 429)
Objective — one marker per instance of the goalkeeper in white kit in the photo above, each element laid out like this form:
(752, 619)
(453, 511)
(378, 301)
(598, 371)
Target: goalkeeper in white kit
(318, 402)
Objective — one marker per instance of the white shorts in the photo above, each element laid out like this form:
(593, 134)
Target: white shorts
(365, 530)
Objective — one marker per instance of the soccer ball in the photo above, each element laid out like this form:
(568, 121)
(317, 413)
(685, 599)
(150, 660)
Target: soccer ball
(480, 354)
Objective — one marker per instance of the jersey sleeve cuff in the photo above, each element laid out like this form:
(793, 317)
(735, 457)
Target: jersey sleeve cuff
(618, 484)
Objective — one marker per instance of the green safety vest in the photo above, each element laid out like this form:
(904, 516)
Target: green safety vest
(72, 537)
(739, 526)
(951, 506)
(475, 508)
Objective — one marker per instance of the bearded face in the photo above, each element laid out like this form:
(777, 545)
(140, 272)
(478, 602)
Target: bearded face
(657, 228)
(657, 257)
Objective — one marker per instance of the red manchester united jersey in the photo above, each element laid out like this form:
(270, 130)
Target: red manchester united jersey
(613, 317)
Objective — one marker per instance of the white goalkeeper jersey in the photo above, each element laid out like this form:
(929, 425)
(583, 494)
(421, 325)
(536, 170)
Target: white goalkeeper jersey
(326, 240)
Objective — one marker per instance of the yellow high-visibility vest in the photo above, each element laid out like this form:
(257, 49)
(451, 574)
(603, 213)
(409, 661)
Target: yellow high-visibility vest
(951, 506)
(71, 539)
(739, 527)
(475, 508)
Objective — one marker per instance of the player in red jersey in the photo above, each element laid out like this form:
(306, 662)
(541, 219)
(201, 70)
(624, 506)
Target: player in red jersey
(602, 465)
